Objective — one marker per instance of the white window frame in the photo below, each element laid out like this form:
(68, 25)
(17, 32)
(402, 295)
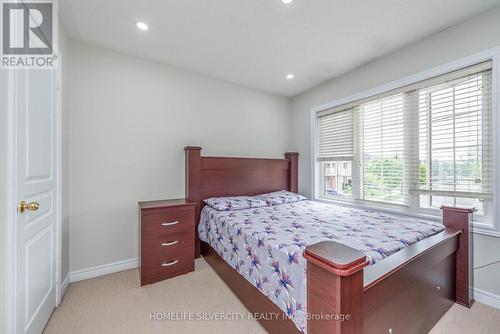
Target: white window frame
(489, 225)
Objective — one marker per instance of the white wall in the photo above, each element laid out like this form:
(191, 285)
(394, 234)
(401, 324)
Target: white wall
(63, 85)
(128, 124)
(478, 34)
(3, 199)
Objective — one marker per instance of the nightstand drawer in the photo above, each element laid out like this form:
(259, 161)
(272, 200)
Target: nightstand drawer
(180, 243)
(166, 222)
(155, 269)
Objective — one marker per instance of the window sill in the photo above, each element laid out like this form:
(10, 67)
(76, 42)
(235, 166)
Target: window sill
(382, 208)
(477, 227)
(485, 230)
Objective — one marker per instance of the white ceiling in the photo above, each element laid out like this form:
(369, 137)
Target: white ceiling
(255, 43)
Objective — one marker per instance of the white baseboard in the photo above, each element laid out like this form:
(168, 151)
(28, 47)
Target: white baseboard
(487, 298)
(106, 269)
(65, 284)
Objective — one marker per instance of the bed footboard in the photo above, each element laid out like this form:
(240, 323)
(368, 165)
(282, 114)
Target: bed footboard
(334, 288)
(460, 219)
(407, 292)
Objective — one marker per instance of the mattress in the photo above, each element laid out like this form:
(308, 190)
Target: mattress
(265, 244)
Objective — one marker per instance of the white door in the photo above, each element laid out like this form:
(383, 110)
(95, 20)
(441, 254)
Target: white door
(35, 112)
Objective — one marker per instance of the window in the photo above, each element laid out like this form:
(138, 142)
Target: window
(382, 149)
(417, 147)
(455, 142)
(336, 152)
(337, 178)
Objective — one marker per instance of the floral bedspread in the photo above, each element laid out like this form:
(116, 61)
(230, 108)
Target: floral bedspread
(265, 244)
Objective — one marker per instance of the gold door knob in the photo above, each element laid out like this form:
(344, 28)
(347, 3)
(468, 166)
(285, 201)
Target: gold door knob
(31, 206)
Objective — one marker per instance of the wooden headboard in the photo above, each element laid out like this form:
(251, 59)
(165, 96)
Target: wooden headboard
(221, 176)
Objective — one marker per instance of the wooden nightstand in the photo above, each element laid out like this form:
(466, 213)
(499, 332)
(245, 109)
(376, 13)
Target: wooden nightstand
(167, 233)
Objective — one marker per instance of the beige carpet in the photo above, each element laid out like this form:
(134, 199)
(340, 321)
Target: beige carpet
(116, 304)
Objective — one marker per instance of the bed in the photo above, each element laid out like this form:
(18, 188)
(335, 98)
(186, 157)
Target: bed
(265, 244)
(324, 268)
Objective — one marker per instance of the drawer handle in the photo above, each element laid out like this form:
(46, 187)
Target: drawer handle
(170, 243)
(170, 224)
(168, 264)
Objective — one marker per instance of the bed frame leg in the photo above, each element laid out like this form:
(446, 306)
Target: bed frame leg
(334, 288)
(460, 219)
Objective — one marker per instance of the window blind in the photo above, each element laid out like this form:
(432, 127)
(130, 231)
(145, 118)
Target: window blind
(382, 146)
(336, 136)
(432, 137)
(455, 130)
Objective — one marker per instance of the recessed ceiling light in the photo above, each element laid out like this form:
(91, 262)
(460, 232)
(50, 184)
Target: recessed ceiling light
(290, 76)
(143, 26)
(287, 2)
